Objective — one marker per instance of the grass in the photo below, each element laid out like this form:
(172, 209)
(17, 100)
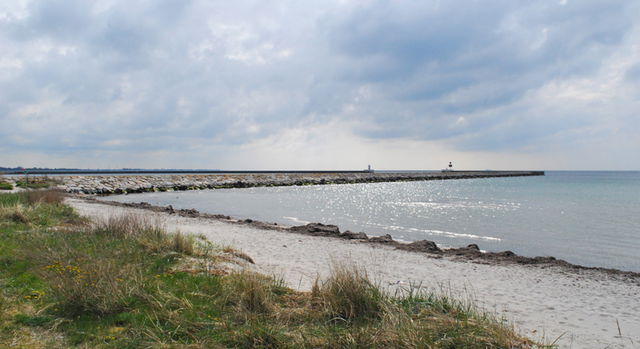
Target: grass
(4, 184)
(39, 182)
(126, 283)
(349, 295)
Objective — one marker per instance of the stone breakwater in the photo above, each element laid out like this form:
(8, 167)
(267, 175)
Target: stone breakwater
(105, 184)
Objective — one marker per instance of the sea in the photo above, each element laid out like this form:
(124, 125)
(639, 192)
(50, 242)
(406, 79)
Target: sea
(590, 218)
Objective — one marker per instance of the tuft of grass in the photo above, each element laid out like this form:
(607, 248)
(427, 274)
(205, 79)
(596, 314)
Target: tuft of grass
(32, 198)
(101, 287)
(32, 185)
(129, 226)
(239, 254)
(50, 196)
(14, 214)
(183, 244)
(4, 185)
(349, 295)
(147, 232)
(36, 209)
(33, 320)
(251, 293)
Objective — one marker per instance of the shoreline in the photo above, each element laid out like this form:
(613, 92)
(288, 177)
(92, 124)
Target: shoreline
(470, 252)
(583, 307)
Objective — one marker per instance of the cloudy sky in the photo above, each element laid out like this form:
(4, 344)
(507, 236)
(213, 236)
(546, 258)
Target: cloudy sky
(320, 84)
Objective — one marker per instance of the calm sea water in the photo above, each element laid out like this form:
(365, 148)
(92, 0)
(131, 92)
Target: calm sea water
(588, 218)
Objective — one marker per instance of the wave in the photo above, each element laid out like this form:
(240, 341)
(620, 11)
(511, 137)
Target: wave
(455, 205)
(296, 220)
(439, 232)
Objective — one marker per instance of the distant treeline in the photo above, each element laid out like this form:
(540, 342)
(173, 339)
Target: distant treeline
(64, 169)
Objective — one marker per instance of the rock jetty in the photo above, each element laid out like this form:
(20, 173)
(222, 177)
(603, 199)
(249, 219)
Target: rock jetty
(121, 184)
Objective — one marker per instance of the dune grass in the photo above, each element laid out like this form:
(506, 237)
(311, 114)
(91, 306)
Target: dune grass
(4, 184)
(67, 282)
(36, 182)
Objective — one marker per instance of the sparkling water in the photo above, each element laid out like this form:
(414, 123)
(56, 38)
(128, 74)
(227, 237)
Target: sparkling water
(587, 218)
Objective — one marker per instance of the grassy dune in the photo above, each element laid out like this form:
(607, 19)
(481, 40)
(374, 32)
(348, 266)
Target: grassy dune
(126, 283)
(4, 184)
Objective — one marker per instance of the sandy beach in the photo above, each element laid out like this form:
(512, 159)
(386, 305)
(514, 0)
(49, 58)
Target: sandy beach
(579, 308)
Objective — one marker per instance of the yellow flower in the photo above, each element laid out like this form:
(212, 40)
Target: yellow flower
(34, 295)
(115, 330)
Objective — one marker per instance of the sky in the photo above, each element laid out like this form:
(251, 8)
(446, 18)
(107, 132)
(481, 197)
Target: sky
(331, 84)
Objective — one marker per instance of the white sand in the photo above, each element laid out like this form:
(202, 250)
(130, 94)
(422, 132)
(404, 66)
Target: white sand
(582, 308)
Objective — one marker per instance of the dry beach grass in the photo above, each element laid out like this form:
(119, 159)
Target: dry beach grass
(124, 281)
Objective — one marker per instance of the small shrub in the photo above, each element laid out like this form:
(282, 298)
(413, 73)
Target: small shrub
(350, 295)
(5, 185)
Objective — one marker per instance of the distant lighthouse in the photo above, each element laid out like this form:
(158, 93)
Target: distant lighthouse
(450, 166)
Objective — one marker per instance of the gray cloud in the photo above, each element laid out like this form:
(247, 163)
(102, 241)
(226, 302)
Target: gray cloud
(135, 77)
(472, 59)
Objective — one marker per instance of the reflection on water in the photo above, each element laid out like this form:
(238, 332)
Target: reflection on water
(589, 218)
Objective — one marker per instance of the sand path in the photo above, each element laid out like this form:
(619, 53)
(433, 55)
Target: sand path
(583, 308)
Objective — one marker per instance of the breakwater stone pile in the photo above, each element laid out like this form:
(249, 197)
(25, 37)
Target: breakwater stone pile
(110, 184)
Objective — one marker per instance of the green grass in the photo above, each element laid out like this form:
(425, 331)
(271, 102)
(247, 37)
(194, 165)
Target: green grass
(32, 185)
(126, 283)
(42, 182)
(5, 186)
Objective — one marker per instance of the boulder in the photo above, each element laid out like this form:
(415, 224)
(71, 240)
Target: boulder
(471, 250)
(473, 247)
(190, 212)
(354, 236)
(421, 246)
(506, 254)
(317, 229)
(382, 239)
